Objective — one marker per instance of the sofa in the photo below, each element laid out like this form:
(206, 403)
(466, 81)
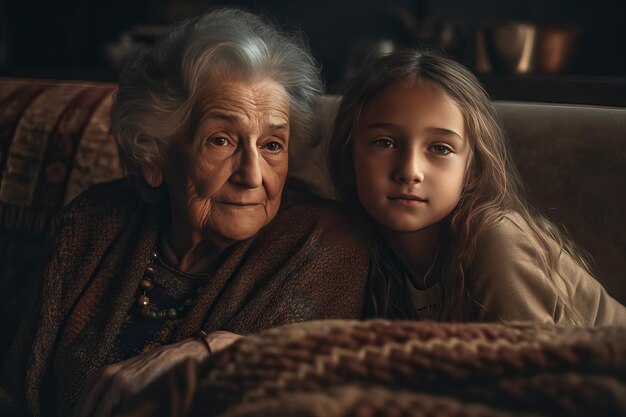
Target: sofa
(54, 143)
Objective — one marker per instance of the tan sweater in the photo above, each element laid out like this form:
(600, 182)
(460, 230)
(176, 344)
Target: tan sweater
(510, 284)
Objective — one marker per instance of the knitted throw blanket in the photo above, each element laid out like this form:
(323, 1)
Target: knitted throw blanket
(381, 368)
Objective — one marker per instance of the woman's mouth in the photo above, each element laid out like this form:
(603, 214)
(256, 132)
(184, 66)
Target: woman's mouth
(242, 204)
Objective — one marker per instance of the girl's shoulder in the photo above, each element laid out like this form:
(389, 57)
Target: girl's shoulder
(510, 232)
(509, 223)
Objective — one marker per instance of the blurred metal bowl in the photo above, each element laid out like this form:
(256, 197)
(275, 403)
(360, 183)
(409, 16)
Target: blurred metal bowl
(525, 48)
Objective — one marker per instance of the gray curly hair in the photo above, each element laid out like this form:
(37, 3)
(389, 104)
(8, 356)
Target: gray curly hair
(160, 89)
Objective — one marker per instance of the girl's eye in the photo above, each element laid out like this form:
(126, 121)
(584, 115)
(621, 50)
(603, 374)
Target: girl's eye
(273, 146)
(440, 149)
(385, 143)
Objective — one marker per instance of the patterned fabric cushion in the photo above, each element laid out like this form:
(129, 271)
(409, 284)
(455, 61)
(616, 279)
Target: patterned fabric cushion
(380, 368)
(54, 143)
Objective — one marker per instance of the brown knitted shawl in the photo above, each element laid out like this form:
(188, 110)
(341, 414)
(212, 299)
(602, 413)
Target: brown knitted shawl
(305, 265)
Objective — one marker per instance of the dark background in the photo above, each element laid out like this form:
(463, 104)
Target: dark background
(70, 39)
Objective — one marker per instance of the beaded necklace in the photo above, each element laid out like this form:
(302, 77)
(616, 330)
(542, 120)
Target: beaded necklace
(147, 308)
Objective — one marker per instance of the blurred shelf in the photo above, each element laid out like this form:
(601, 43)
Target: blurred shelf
(594, 90)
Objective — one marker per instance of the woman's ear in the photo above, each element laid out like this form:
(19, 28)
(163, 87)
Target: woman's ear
(153, 176)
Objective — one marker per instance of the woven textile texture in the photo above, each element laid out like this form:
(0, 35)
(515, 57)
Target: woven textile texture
(54, 143)
(379, 368)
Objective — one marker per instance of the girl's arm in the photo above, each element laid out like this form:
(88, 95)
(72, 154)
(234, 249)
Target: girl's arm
(510, 283)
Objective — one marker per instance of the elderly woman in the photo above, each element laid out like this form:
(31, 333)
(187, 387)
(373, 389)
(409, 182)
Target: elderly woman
(200, 243)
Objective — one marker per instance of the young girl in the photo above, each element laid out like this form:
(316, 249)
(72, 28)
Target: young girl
(418, 152)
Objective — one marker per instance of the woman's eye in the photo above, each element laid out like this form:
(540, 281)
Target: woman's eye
(273, 146)
(440, 149)
(219, 141)
(385, 143)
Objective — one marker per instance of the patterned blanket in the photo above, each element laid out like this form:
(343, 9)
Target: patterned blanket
(380, 368)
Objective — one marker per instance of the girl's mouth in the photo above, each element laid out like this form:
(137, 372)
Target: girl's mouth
(407, 199)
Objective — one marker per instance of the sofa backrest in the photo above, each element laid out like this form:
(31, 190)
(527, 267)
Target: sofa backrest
(54, 143)
(573, 161)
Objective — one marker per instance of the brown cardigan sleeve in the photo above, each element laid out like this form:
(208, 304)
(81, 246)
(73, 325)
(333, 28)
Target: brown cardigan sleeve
(12, 376)
(26, 355)
(25, 381)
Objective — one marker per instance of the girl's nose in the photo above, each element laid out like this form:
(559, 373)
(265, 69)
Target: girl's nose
(247, 169)
(410, 169)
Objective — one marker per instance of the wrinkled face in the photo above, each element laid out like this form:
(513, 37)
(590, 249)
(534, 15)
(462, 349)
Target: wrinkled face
(410, 156)
(227, 182)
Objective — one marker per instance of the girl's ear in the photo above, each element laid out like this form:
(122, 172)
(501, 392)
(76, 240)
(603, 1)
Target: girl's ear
(153, 175)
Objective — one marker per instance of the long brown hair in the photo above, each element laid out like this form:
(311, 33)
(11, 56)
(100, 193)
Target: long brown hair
(493, 187)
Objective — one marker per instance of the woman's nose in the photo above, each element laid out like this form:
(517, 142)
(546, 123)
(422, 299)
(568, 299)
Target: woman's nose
(409, 168)
(247, 172)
